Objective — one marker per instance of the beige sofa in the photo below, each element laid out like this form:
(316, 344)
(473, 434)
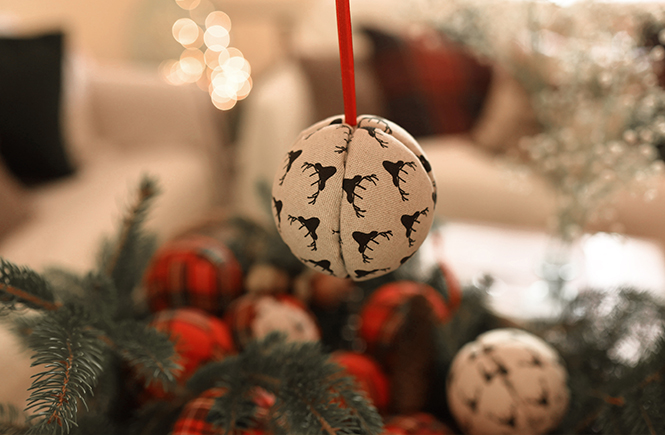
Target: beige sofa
(121, 122)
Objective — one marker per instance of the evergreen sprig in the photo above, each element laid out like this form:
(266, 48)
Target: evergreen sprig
(312, 394)
(83, 328)
(124, 258)
(21, 285)
(152, 363)
(72, 356)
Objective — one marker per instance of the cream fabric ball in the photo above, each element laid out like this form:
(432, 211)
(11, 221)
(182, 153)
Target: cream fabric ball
(507, 381)
(354, 201)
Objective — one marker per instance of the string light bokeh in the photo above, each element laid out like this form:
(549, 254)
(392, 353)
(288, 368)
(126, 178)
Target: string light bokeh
(207, 58)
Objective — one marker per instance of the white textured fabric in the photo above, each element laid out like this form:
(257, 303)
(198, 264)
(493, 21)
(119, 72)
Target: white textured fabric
(354, 201)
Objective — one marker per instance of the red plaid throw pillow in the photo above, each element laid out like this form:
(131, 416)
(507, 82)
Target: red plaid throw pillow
(430, 85)
(193, 271)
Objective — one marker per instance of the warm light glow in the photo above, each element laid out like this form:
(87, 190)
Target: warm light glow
(216, 38)
(186, 32)
(218, 18)
(217, 68)
(188, 5)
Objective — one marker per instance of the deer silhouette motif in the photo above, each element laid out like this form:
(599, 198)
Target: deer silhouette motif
(323, 264)
(278, 209)
(374, 130)
(364, 239)
(311, 225)
(292, 156)
(395, 169)
(347, 139)
(323, 172)
(363, 273)
(409, 220)
(425, 162)
(349, 185)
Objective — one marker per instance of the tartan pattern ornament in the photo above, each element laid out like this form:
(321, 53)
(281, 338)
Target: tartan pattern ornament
(193, 419)
(368, 374)
(420, 423)
(199, 338)
(193, 271)
(354, 201)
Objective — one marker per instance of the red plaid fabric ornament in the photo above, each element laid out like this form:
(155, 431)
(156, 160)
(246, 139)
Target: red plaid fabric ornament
(199, 338)
(368, 374)
(193, 271)
(383, 313)
(398, 324)
(419, 423)
(193, 418)
(253, 316)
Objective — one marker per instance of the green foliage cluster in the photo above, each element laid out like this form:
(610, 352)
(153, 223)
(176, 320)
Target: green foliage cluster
(78, 327)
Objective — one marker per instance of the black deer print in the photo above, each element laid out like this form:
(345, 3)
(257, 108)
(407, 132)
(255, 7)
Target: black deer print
(374, 130)
(323, 264)
(347, 139)
(363, 273)
(425, 162)
(311, 225)
(278, 209)
(323, 172)
(351, 184)
(364, 239)
(409, 220)
(395, 169)
(292, 156)
(405, 259)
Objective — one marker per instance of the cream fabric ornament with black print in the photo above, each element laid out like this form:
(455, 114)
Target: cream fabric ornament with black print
(354, 201)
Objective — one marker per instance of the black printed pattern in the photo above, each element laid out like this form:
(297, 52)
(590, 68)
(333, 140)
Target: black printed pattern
(350, 185)
(323, 174)
(292, 156)
(409, 220)
(363, 273)
(324, 265)
(364, 239)
(278, 210)
(311, 224)
(395, 169)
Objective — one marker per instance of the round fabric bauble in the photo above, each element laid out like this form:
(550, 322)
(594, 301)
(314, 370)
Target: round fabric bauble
(193, 419)
(383, 313)
(354, 201)
(254, 316)
(420, 423)
(507, 381)
(193, 271)
(368, 374)
(199, 338)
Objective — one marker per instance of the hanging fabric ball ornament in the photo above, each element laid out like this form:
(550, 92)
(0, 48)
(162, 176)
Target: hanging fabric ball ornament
(354, 201)
(507, 381)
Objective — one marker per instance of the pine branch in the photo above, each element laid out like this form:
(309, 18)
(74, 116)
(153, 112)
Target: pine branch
(311, 392)
(24, 286)
(125, 258)
(72, 356)
(146, 349)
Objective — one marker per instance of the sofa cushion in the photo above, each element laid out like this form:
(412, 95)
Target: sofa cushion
(430, 85)
(32, 143)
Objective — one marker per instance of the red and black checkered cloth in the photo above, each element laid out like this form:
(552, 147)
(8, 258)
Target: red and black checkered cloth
(419, 423)
(193, 271)
(430, 84)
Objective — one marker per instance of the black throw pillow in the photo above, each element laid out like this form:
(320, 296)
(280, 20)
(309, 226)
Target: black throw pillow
(32, 144)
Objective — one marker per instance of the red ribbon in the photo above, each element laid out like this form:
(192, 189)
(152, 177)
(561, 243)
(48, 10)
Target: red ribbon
(345, 37)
